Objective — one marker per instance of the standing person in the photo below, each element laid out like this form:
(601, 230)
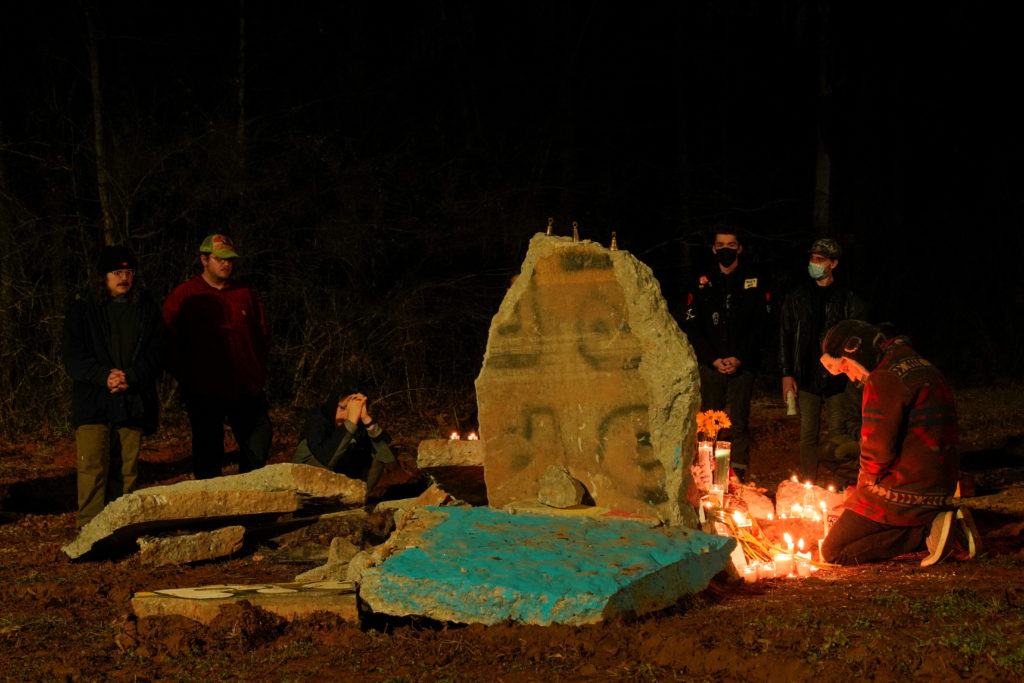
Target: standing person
(341, 436)
(725, 320)
(219, 349)
(808, 312)
(909, 462)
(114, 350)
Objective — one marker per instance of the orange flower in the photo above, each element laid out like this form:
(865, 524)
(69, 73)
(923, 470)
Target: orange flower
(710, 422)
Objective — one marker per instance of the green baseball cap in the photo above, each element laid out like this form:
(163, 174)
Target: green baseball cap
(220, 246)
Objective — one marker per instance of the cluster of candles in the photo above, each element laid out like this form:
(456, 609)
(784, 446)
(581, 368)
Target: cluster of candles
(807, 509)
(472, 436)
(787, 564)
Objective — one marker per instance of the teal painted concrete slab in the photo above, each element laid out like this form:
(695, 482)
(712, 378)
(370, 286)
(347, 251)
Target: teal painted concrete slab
(480, 565)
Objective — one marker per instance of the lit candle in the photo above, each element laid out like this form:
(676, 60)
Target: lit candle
(783, 564)
(750, 574)
(797, 510)
(789, 542)
(803, 564)
(766, 570)
(473, 437)
(454, 436)
(824, 519)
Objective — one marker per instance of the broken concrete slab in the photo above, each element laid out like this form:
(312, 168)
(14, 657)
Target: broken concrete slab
(288, 600)
(457, 465)
(450, 453)
(259, 495)
(335, 568)
(559, 489)
(586, 369)
(751, 500)
(478, 565)
(204, 545)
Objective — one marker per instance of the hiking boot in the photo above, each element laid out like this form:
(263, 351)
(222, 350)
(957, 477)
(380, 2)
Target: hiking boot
(938, 537)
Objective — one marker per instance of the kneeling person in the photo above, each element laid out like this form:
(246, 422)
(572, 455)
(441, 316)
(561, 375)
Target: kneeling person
(909, 462)
(342, 437)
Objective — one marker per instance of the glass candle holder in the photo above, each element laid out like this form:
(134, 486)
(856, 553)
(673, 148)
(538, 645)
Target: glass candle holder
(723, 450)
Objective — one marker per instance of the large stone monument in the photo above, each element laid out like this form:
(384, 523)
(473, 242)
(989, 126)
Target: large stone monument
(586, 370)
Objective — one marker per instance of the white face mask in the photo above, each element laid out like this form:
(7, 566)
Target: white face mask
(816, 270)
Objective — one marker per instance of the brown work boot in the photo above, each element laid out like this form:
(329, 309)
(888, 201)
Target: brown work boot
(938, 537)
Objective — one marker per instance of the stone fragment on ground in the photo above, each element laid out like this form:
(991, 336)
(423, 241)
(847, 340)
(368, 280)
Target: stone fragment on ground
(287, 600)
(793, 498)
(751, 500)
(457, 465)
(339, 555)
(479, 565)
(559, 489)
(158, 551)
(586, 369)
(195, 504)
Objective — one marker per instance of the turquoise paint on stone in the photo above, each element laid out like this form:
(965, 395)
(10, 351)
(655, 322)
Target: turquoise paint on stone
(478, 565)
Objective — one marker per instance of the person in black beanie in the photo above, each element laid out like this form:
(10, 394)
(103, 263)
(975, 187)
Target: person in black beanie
(341, 436)
(114, 349)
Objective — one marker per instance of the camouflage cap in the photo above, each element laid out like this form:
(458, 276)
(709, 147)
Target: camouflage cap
(827, 247)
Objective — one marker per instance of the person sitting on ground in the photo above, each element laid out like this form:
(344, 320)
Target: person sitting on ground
(909, 462)
(341, 436)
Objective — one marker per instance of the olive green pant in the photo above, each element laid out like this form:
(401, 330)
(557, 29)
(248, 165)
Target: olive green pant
(108, 465)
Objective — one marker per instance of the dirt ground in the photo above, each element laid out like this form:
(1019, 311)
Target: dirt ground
(64, 620)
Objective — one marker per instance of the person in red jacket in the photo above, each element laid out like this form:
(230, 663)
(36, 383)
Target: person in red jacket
(220, 344)
(904, 499)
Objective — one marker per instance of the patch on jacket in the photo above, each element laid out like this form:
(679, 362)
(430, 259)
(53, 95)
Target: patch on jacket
(904, 366)
(703, 282)
(750, 283)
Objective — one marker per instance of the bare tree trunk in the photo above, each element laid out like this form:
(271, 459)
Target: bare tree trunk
(7, 328)
(823, 169)
(240, 127)
(102, 178)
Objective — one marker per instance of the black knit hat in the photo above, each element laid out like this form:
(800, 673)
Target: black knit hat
(116, 257)
(857, 340)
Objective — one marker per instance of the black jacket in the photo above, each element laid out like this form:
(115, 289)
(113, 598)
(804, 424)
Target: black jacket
(808, 312)
(727, 315)
(87, 356)
(352, 452)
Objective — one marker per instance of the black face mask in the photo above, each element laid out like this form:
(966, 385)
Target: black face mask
(726, 256)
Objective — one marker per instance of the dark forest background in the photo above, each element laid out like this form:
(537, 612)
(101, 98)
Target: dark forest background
(382, 166)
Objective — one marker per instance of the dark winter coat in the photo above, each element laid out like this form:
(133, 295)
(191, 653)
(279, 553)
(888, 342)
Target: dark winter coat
(87, 352)
(808, 312)
(353, 452)
(726, 315)
(909, 463)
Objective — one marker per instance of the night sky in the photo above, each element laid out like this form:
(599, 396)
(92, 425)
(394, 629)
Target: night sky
(472, 123)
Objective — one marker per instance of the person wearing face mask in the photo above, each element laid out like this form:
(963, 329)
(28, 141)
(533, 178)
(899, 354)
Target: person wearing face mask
(807, 313)
(725, 319)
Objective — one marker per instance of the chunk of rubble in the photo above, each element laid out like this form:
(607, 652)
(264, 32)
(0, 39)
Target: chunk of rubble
(586, 369)
(793, 499)
(751, 500)
(287, 600)
(478, 565)
(457, 465)
(204, 545)
(209, 503)
(339, 555)
(559, 489)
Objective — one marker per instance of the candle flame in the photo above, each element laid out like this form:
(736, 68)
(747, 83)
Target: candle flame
(795, 479)
(807, 484)
(800, 544)
(832, 488)
(789, 539)
(454, 436)
(771, 516)
(473, 437)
